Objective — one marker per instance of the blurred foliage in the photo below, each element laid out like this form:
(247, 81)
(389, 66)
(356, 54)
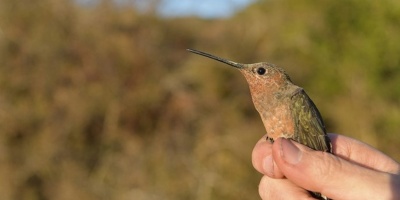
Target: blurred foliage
(103, 101)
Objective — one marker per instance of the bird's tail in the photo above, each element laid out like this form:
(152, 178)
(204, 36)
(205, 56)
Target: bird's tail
(319, 196)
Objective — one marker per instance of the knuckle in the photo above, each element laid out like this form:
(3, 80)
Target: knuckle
(329, 166)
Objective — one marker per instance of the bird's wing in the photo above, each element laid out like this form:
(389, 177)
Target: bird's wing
(309, 127)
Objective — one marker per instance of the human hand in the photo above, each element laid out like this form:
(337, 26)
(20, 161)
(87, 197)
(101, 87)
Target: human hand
(355, 171)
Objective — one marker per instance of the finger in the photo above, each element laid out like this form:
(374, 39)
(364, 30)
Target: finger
(271, 188)
(332, 176)
(262, 159)
(362, 154)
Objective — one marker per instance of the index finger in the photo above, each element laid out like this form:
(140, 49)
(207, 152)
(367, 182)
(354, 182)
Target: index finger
(263, 161)
(362, 154)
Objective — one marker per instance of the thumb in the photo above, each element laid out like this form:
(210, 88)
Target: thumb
(330, 175)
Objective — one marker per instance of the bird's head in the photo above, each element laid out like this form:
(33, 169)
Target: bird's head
(262, 77)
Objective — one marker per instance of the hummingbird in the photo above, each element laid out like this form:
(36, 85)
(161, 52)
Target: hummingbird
(285, 108)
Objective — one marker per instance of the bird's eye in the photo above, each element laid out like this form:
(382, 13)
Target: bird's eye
(261, 71)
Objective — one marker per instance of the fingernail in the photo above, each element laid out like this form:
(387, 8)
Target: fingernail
(289, 152)
(268, 165)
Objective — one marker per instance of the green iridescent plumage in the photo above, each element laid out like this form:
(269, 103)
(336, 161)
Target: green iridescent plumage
(309, 128)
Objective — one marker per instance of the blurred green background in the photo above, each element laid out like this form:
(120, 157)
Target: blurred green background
(102, 101)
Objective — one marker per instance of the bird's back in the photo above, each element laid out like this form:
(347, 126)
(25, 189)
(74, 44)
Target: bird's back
(309, 126)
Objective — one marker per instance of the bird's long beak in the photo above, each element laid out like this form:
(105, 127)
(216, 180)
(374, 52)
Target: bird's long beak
(231, 63)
